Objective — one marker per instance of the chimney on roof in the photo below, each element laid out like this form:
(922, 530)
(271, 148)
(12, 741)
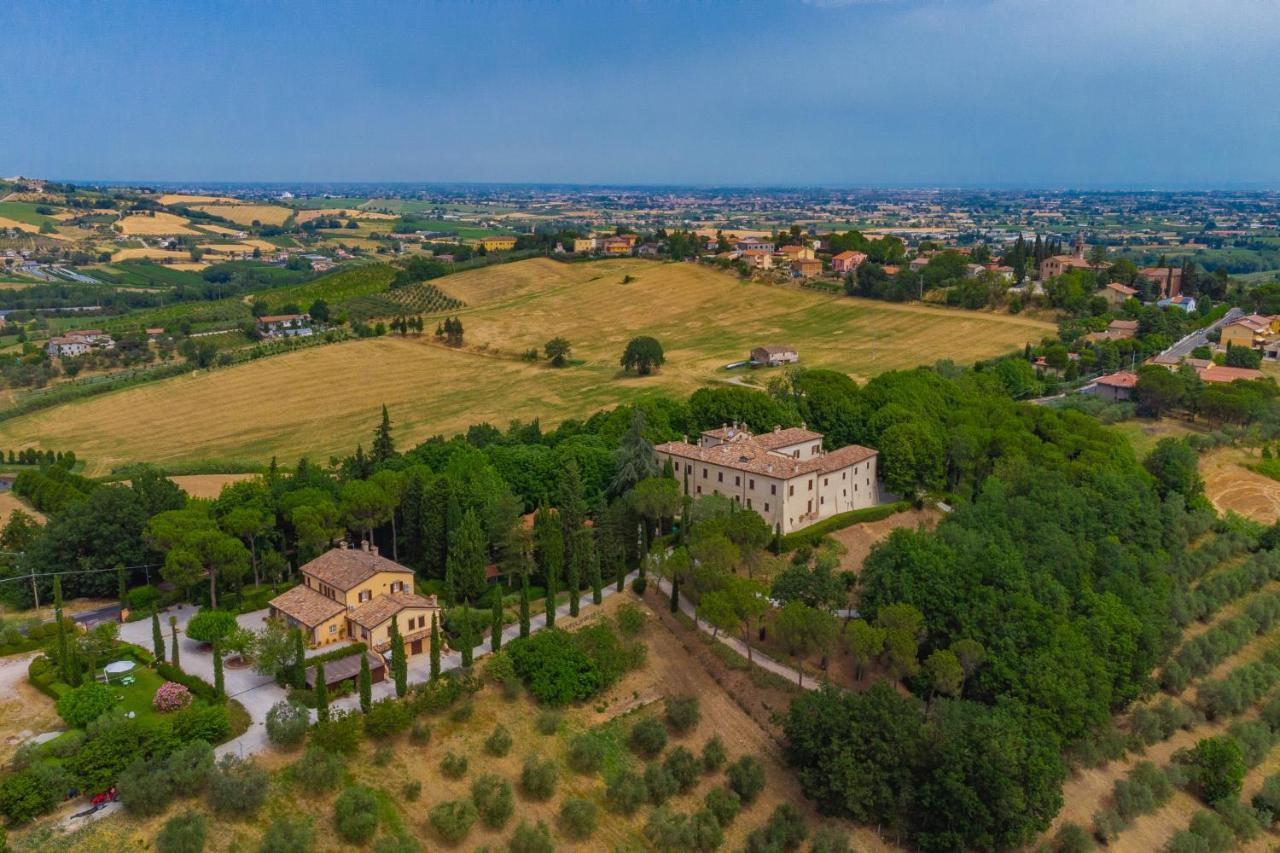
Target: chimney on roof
(803, 425)
(364, 544)
(373, 549)
(343, 545)
(777, 427)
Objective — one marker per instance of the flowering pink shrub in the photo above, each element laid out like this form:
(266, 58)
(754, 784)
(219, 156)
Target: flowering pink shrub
(171, 696)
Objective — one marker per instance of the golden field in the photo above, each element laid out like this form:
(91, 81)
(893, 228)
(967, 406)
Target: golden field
(160, 223)
(323, 400)
(245, 214)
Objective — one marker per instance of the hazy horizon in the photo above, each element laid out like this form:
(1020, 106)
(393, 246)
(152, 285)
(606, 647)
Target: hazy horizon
(833, 94)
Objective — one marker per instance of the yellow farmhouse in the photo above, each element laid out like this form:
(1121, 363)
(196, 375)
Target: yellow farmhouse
(351, 594)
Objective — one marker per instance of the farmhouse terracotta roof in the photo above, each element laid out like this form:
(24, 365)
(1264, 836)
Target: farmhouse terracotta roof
(307, 606)
(1220, 373)
(280, 318)
(343, 568)
(749, 454)
(776, 349)
(1123, 326)
(1120, 288)
(1123, 379)
(848, 255)
(383, 607)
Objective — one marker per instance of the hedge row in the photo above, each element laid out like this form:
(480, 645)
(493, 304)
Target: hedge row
(814, 533)
(1200, 655)
(1226, 586)
(339, 653)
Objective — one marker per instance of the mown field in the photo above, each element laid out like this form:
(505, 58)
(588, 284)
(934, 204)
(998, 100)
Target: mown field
(324, 400)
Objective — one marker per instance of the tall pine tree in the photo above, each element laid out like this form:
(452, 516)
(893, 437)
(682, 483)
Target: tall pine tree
(157, 636)
(524, 606)
(495, 638)
(366, 684)
(321, 693)
(173, 654)
(399, 665)
(467, 558)
(384, 447)
(435, 647)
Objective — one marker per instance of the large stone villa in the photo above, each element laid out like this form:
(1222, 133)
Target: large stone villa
(784, 475)
(351, 594)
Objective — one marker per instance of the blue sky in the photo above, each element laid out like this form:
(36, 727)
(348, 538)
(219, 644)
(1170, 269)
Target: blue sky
(1134, 93)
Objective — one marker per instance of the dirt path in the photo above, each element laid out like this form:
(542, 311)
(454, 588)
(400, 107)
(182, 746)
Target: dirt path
(859, 539)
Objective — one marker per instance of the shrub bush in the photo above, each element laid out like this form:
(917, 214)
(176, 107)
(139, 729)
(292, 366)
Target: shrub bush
(82, 705)
(578, 818)
(682, 713)
(355, 813)
(453, 765)
(1244, 821)
(639, 585)
(493, 799)
(586, 753)
(723, 803)
(630, 619)
(668, 832)
(785, 830)
(339, 733)
(452, 820)
(499, 742)
(1267, 801)
(183, 833)
(538, 778)
(189, 766)
(658, 783)
(625, 792)
(548, 722)
(289, 835)
(714, 755)
(828, 839)
(318, 770)
(1215, 766)
(32, 792)
(1207, 834)
(171, 696)
(237, 786)
(1255, 738)
(462, 713)
(419, 735)
(387, 717)
(287, 724)
(683, 767)
(531, 838)
(210, 723)
(1107, 825)
(648, 737)
(412, 790)
(746, 777)
(145, 787)
(383, 754)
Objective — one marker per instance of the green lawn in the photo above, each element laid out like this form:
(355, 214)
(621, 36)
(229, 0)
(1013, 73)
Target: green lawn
(23, 211)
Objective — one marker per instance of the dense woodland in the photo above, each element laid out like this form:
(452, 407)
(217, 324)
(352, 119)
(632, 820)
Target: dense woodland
(1035, 611)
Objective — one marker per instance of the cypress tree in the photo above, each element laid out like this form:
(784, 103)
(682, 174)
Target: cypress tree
(575, 584)
(399, 668)
(157, 636)
(551, 602)
(435, 647)
(219, 684)
(524, 606)
(675, 594)
(468, 642)
(383, 447)
(173, 631)
(122, 582)
(620, 574)
(597, 582)
(299, 661)
(322, 694)
(64, 652)
(366, 684)
(495, 639)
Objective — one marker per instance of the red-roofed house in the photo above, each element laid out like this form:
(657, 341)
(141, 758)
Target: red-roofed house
(847, 262)
(1116, 386)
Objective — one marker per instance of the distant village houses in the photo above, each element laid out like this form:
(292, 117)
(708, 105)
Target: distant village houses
(772, 355)
(79, 342)
(285, 325)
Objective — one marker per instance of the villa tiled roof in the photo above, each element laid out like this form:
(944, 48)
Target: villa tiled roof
(751, 455)
(383, 607)
(307, 606)
(343, 568)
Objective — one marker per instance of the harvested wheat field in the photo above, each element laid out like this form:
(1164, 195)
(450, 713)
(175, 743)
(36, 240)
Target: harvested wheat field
(207, 485)
(246, 214)
(9, 502)
(1232, 487)
(290, 405)
(342, 213)
(150, 254)
(182, 198)
(7, 223)
(157, 223)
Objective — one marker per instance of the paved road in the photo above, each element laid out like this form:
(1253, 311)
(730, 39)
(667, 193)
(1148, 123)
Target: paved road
(1200, 337)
